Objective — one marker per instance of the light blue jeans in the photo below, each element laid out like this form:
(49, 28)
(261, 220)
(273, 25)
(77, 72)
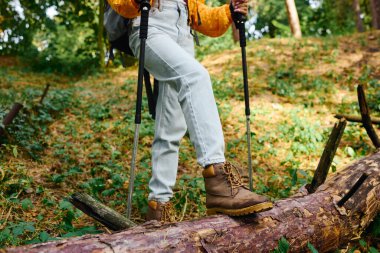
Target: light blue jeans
(185, 100)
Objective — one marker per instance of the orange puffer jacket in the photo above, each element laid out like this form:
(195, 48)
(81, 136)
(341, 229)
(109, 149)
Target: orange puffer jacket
(211, 21)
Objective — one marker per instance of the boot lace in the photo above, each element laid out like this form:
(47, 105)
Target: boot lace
(233, 176)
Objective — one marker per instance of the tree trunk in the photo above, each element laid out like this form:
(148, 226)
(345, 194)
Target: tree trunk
(294, 21)
(315, 218)
(358, 19)
(375, 12)
(100, 34)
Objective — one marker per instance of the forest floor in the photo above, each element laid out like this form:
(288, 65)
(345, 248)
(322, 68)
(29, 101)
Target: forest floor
(80, 138)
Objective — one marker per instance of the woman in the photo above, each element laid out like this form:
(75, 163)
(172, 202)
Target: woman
(186, 101)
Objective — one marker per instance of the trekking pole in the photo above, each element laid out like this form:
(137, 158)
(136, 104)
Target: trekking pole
(144, 9)
(239, 20)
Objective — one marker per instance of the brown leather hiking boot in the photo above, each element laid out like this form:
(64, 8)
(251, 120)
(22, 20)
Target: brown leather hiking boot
(226, 194)
(162, 212)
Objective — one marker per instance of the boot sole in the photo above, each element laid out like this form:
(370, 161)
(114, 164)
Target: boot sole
(242, 211)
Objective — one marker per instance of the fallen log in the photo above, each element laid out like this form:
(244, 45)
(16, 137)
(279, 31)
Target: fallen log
(357, 119)
(328, 154)
(10, 117)
(367, 122)
(44, 93)
(102, 213)
(314, 218)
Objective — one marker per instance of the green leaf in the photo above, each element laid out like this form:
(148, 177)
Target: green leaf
(65, 205)
(44, 236)
(29, 227)
(82, 231)
(363, 243)
(5, 234)
(26, 204)
(40, 190)
(57, 178)
(373, 250)
(108, 192)
(375, 227)
(18, 230)
(281, 26)
(283, 245)
(311, 248)
(350, 151)
(14, 151)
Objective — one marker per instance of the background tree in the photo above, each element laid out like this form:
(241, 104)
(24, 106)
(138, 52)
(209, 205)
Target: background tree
(318, 19)
(294, 21)
(375, 12)
(65, 42)
(359, 22)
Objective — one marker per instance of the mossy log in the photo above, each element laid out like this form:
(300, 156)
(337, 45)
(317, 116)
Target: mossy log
(314, 218)
(102, 213)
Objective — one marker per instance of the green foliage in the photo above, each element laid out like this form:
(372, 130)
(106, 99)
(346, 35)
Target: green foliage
(283, 246)
(332, 17)
(374, 95)
(282, 82)
(189, 194)
(210, 45)
(32, 121)
(374, 228)
(66, 43)
(312, 248)
(70, 51)
(14, 233)
(304, 136)
(99, 112)
(286, 82)
(18, 29)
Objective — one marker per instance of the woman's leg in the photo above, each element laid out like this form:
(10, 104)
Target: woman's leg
(186, 98)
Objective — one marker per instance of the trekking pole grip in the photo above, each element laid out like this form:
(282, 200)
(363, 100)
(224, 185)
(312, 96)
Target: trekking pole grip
(239, 20)
(144, 9)
(240, 24)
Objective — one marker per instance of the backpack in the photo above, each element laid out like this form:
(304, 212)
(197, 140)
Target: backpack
(117, 28)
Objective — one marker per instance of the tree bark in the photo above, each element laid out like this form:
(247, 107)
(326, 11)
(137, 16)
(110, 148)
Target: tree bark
(358, 19)
(314, 218)
(375, 12)
(294, 21)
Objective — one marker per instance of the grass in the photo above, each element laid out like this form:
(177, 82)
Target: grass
(81, 139)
